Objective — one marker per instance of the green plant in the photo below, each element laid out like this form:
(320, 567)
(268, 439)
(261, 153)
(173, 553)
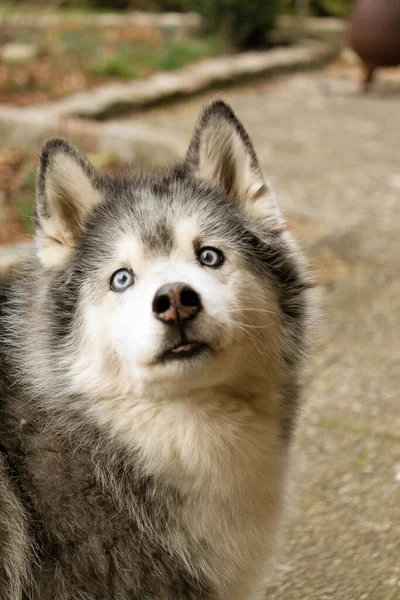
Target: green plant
(24, 210)
(133, 60)
(324, 8)
(23, 195)
(110, 4)
(334, 8)
(77, 43)
(127, 61)
(181, 52)
(119, 66)
(245, 22)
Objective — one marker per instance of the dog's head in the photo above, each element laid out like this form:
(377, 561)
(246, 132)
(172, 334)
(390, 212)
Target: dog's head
(168, 281)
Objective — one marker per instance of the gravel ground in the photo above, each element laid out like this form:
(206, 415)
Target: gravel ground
(333, 155)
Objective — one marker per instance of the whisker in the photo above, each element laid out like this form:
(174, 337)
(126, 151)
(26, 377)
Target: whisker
(248, 326)
(259, 310)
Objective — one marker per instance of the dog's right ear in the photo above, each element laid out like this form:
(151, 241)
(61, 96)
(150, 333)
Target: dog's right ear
(67, 190)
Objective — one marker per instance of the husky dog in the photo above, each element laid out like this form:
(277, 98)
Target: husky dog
(152, 346)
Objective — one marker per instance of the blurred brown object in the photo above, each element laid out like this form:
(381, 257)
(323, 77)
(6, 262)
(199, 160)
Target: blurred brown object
(374, 34)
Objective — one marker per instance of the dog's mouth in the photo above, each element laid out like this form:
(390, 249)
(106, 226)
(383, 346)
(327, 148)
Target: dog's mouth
(185, 350)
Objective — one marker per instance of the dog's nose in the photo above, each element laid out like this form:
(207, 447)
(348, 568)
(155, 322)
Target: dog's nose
(175, 303)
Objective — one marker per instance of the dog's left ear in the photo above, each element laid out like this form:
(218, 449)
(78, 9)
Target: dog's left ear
(221, 153)
(67, 190)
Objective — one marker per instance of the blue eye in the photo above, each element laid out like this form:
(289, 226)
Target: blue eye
(121, 280)
(211, 257)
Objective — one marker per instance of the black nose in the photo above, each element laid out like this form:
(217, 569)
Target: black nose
(175, 303)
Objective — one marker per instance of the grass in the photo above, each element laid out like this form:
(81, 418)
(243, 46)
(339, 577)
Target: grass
(69, 60)
(182, 52)
(24, 195)
(10, 9)
(18, 184)
(130, 61)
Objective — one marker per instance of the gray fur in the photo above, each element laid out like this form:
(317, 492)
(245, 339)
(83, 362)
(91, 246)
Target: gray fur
(80, 516)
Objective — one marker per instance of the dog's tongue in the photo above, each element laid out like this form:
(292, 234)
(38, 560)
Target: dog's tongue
(184, 347)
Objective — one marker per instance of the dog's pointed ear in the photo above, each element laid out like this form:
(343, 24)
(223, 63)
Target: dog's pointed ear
(67, 190)
(222, 153)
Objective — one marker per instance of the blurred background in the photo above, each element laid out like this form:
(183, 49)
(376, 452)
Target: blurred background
(317, 85)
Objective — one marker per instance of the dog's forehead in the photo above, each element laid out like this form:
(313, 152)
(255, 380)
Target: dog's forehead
(166, 236)
(158, 212)
(153, 221)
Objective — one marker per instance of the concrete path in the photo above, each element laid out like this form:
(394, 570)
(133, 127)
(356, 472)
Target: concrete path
(334, 158)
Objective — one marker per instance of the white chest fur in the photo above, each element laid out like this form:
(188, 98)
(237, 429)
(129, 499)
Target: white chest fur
(228, 459)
